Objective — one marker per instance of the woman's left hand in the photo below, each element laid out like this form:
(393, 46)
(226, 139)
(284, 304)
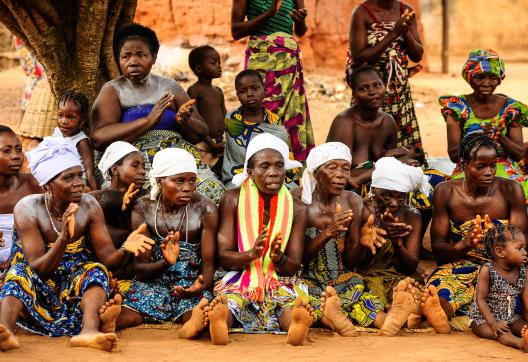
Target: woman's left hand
(299, 15)
(198, 286)
(394, 228)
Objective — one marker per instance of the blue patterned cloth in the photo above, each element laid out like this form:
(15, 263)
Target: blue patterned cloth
(154, 300)
(52, 306)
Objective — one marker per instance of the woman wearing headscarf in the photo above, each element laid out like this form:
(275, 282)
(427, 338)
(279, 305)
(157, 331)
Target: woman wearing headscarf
(332, 234)
(55, 285)
(176, 276)
(123, 167)
(260, 244)
(501, 117)
(383, 267)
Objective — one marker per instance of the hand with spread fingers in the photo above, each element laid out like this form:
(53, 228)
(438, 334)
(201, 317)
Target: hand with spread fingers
(395, 229)
(170, 247)
(137, 243)
(185, 111)
(157, 111)
(129, 195)
(275, 248)
(197, 287)
(372, 236)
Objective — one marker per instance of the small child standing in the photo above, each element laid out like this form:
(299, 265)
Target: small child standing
(500, 283)
(71, 114)
(205, 62)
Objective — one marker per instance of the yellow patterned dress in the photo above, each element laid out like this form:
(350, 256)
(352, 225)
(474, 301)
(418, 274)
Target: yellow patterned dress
(52, 306)
(327, 269)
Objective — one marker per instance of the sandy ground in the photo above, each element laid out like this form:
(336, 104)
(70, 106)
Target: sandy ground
(157, 344)
(164, 345)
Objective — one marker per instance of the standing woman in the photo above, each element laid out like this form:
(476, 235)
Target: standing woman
(273, 51)
(384, 34)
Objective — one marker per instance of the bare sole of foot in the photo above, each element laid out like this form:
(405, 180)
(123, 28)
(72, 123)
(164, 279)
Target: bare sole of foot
(109, 313)
(102, 341)
(415, 318)
(196, 323)
(403, 304)
(524, 337)
(216, 314)
(433, 311)
(7, 339)
(302, 319)
(333, 314)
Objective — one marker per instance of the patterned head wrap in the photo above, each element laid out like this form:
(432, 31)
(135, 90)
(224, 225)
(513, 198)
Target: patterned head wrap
(483, 61)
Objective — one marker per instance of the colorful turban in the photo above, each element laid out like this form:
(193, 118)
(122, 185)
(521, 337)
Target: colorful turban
(483, 61)
(113, 153)
(52, 156)
(261, 142)
(392, 174)
(319, 156)
(168, 162)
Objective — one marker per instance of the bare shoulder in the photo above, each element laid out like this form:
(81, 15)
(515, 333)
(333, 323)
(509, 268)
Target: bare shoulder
(27, 203)
(508, 185)
(207, 205)
(353, 198)
(145, 201)
(219, 90)
(412, 213)
(359, 12)
(296, 192)
(345, 116)
(299, 207)
(193, 90)
(387, 118)
(89, 201)
(445, 188)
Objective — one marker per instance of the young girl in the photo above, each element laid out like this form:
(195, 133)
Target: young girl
(501, 282)
(71, 114)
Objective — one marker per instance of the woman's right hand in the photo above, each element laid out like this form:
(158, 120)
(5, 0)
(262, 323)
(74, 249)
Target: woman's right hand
(403, 23)
(256, 251)
(372, 236)
(500, 328)
(339, 223)
(157, 111)
(68, 225)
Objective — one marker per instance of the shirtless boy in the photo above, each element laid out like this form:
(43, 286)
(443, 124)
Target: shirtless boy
(205, 62)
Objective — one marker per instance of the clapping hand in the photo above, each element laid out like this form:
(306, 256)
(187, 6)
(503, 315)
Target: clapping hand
(157, 111)
(395, 229)
(129, 195)
(340, 222)
(197, 287)
(403, 23)
(185, 111)
(372, 236)
(275, 248)
(136, 242)
(170, 247)
(258, 248)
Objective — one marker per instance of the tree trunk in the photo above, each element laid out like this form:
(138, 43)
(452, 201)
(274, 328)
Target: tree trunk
(72, 39)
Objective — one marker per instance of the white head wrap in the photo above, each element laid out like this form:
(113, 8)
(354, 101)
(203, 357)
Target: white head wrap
(391, 174)
(317, 157)
(261, 142)
(52, 156)
(168, 162)
(112, 154)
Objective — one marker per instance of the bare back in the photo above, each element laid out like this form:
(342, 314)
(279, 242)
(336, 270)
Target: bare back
(211, 106)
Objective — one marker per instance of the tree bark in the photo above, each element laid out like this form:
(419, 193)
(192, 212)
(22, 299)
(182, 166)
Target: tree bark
(73, 39)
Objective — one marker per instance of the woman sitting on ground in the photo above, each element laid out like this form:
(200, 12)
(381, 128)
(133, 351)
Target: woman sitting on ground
(147, 110)
(383, 267)
(260, 243)
(333, 242)
(124, 167)
(501, 117)
(55, 286)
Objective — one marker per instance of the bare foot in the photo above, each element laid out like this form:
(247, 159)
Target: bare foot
(7, 339)
(433, 311)
(98, 340)
(333, 314)
(302, 319)
(108, 314)
(196, 323)
(216, 314)
(524, 337)
(403, 304)
(415, 318)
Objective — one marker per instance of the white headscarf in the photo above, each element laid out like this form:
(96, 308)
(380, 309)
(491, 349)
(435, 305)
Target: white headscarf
(261, 142)
(391, 174)
(113, 153)
(317, 157)
(168, 162)
(52, 156)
